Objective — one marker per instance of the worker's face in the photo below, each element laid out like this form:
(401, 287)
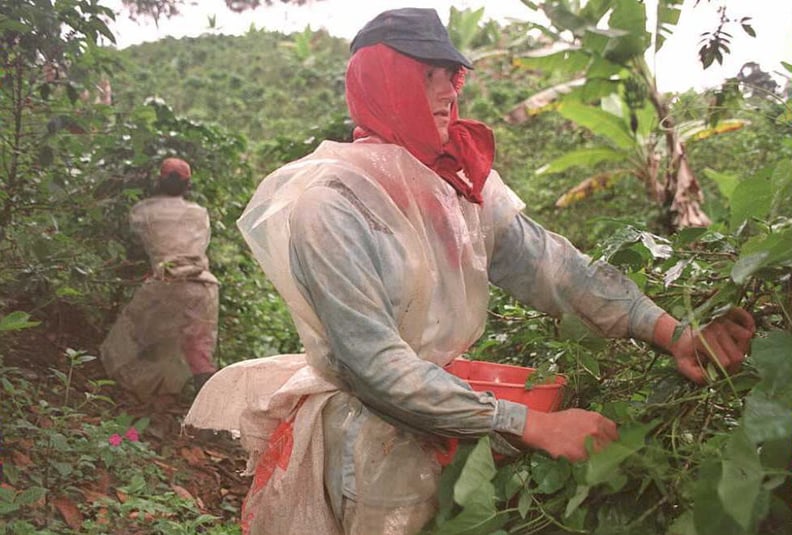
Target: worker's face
(441, 95)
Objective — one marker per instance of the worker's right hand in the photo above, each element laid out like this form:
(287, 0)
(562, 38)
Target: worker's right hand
(564, 433)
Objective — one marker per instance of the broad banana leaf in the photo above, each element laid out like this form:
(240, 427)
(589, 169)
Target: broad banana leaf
(599, 122)
(568, 60)
(541, 101)
(588, 187)
(698, 130)
(463, 26)
(583, 157)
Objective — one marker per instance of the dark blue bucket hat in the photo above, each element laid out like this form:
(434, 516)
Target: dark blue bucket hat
(413, 31)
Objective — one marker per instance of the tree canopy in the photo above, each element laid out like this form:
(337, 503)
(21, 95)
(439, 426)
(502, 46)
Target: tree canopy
(158, 9)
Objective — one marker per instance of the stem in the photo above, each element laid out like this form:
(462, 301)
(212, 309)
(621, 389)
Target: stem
(552, 519)
(646, 513)
(68, 383)
(707, 418)
(708, 351)
(534, 526)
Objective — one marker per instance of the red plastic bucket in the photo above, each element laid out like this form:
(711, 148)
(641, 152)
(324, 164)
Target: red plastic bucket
(508, 382)
(505, 382)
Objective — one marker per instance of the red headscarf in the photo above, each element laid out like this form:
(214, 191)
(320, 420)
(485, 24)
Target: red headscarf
(386, 99)
(176, 167)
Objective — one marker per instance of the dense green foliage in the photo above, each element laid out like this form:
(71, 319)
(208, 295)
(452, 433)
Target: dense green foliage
(282, 87)
(703, 460)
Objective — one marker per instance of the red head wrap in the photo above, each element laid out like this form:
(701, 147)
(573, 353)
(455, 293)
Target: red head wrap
(386, 96)
(175, 167)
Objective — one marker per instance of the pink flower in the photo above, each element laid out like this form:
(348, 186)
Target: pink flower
(132, 435)
(115, 439)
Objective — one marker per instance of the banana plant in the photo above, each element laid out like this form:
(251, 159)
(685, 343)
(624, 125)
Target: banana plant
(618, 100)
(475, 39)
(637, 153)
(479, 40)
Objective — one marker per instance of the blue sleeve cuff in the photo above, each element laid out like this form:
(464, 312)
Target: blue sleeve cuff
(510, 417)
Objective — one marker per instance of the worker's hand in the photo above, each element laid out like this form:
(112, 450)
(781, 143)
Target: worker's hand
(727, 339)
(564, 433)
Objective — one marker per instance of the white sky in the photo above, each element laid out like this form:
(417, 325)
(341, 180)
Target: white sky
(676, 65)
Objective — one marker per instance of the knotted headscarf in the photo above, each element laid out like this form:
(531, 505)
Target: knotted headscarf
(386, 96)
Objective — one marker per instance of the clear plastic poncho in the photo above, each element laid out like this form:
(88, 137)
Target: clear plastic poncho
(443, 247)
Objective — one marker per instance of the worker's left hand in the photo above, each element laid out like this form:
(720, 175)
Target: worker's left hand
(726, 338)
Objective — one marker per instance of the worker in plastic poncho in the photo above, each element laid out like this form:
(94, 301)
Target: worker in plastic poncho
(383, 250)
(168, 332)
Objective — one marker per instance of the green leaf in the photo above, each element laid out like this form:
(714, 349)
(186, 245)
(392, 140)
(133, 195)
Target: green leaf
(751, 198)
(463, 26)
(64, 469)
(12, 25)
(472, 521)
(475, 492)
(583, 157)
(746, 266)
(741, 480)
(105, 31)
(770, 355)
(569, 62)
(562, 18)
(776, 454)
(621, 239)
(774, 250)
(448, 477)
(683, 525)
(781, 180)
(765, 419)
(6, 507)
(16, 320)
(591, 364)
(629, 258)
(727, 182)
(581, 493)
(142, 424)
(525, 502)
(603, 69)
(686, 236)
(31, 495)
(599, 122)
(11, 474)
(68, 291)
(647, 120)
(594, 10)
(708, 514)
(6, 495)
(476, 475)
(667, 17)
(550, 475)
(628, 15)
(604, 465)
(508, 482)
(60, 375)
